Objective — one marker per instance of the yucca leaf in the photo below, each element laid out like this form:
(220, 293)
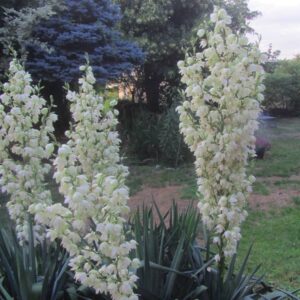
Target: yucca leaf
(291, 295)
(147, 271)
(9, 266)
(205, 266)
(4, 292)
(159, 267)
(195, 293)
(58, 277)
(31, 252)
(245, 261)
(171, 277)
(161, 218)
(161, 247)
(230, 270)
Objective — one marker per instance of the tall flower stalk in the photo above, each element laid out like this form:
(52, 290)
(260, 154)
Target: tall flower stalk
(218, 120)
(26, 125)
(92, 180)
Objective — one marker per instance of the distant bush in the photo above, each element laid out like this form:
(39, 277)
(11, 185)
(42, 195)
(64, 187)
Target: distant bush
(152, 136)
(282, 94)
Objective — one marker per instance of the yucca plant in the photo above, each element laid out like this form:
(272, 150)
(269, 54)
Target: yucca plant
(172, 261)
(236, 285)
(33, 272)
(175, 266)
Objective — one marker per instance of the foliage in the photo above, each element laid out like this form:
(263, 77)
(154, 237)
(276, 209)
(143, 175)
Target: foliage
(282, 93)
(30, 272)
(240, 14)
(152, 137)
(272, 59)
(20, 19)
(171, 144)
(139, 130)
(218, 121)
(25, 146)
(87, 26)
(164, 29)
(169, 254)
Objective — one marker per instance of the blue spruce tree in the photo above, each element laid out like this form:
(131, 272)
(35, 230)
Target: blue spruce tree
(85, 26)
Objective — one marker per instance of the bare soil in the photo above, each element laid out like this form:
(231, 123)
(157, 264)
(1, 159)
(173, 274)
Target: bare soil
(279, 198)
(164, 197)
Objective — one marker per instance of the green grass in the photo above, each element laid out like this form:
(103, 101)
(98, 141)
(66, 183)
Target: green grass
(287, 183)
(261, 188)
(296, 200)
(189, 191)
(282, 160)
(161, 176)
(276, 237)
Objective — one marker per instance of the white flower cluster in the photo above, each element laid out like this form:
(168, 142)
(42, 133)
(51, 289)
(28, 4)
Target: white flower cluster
(25, 128)
(218, 121)
(92, 180)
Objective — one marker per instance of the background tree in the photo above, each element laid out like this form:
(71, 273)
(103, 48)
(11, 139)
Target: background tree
(282, 94)
(18, 18)
(165, 29)
(272, 59)
(240, 14)
(87, 26)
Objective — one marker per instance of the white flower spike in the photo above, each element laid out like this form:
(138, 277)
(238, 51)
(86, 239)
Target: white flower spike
(218, 120)
(92, 180)
(25, 129)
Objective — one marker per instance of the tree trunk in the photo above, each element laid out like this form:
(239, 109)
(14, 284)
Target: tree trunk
(57, 91)
(152, 93)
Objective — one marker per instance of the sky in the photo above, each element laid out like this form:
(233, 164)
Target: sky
(278, 25)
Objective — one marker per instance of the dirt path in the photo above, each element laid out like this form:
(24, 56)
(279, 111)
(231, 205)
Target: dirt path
(164, 196)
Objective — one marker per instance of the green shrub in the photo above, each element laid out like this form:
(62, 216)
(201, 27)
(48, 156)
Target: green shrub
(152, 136)
(282, 94)
(171, 144)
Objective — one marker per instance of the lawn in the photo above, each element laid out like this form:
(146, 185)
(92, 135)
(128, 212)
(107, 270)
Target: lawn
(275, 231)
(276, 238)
